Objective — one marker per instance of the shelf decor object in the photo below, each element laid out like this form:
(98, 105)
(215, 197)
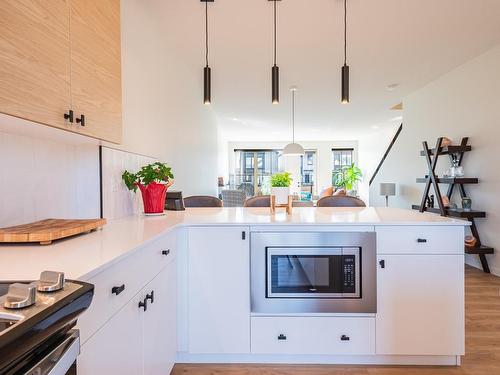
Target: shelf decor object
(48, 230)
(456, 156)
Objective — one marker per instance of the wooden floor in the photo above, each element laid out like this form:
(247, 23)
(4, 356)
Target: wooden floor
(482, 308)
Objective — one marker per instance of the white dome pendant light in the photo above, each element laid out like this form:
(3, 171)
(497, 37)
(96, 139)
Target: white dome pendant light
(293, 149)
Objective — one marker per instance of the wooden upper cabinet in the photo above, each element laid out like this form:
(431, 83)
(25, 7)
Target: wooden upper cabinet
(96, 67)
(57, 55)
(35, 60)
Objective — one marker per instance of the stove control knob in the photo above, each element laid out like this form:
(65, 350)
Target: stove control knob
(50, 281)
(20, 295)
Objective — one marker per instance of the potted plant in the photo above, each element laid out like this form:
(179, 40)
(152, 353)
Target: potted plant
(280, 186)
(153, 180)
(347, 177)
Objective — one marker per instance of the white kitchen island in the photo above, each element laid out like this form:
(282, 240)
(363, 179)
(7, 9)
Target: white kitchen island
(192, 269)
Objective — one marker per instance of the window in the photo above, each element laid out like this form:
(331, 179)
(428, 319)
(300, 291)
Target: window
(308, 171)
(342, 157)
(254, 167)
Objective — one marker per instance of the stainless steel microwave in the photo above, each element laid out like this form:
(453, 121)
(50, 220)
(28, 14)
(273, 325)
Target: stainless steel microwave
(313, 272)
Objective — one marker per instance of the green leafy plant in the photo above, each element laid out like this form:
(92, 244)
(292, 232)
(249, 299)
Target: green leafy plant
(347, 177)
(156, 172)
(281, 179)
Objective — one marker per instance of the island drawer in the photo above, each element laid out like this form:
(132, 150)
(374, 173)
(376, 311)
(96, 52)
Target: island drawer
(117, 284)
(313, 335)
(420, 239)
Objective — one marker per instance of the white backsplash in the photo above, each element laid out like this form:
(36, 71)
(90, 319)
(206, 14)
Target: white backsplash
(118, 201)
(45, 178)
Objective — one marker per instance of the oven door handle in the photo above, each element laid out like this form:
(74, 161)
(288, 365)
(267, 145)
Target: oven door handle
(61, 358)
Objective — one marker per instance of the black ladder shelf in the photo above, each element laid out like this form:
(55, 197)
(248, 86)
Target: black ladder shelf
(431, 157)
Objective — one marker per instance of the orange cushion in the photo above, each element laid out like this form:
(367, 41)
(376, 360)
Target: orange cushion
(339, 192)
(326, 192)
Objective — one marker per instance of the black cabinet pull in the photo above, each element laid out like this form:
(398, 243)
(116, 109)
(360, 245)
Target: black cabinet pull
(118, 289)
(165, 252)
(243, 235)
(344, 338)
(382, 263)
(421, 240)
(144, 304)
(282, 337)
(81, 120)
(69, 116)
(151, 296)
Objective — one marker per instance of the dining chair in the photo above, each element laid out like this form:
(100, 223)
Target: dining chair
(202, 201)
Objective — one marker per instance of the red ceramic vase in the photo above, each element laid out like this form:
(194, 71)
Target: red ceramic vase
(153, 197)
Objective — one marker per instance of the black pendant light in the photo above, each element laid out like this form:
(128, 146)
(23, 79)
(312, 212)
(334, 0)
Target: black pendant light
(345, 67)
(207, 72)
(275, 71)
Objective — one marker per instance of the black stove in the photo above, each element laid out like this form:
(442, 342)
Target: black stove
(37, 324)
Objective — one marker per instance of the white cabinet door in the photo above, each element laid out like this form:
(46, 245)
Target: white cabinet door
(219, 290)
(160, 326)
(420, 303)
(117, 347)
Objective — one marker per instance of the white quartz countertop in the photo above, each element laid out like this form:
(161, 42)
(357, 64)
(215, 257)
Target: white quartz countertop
(83, 256)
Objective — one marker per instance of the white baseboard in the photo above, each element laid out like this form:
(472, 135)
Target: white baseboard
(418, 360)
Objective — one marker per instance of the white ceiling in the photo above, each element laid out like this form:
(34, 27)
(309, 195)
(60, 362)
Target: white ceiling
(408, 42)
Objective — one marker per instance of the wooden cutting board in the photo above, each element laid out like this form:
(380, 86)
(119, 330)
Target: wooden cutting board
(46, 231)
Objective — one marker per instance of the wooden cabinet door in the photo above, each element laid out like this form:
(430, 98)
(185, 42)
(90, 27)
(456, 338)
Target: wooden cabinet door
(160, 323)
(96, 67)
(117, 347)
(420, 303)
(35, 60)
(219, 290)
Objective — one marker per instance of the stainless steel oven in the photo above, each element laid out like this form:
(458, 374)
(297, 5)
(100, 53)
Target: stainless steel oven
(313, 272)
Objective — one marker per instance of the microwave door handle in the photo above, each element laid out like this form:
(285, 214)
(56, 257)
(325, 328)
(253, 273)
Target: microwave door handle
(60, 359)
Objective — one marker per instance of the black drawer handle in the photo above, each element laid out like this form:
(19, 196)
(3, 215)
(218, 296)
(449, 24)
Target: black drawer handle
(381, 263)
(144, 304)
(151, 296)
(344, 338)
(282, 337)
(118, 289)
(165, 252)
(81, 120)
(69, 116)
(421, 240)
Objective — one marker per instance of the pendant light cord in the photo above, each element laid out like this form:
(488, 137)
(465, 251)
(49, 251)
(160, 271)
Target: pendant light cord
(275, 31)
(345, 32)
(206, 33)
(293, 116)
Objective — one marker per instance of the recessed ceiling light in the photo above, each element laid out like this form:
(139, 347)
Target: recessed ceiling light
(397, 118)
(392, 86)
(375, 126)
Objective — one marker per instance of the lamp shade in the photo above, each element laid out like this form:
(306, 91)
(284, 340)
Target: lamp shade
(387, 189)
(293, 149)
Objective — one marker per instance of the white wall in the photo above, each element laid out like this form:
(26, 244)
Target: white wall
(464, 102)
(163, 113)
(45, 173)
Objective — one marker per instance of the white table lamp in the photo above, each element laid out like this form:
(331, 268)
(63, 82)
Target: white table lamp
(387, 189)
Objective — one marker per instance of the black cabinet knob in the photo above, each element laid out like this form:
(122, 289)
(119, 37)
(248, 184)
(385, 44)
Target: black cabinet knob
(69, 116)
(381, 263)
(165, 252)
(151, 296)
(281, 337)
(144, 304)
(118, 289)
(344, 338)
(81, 120)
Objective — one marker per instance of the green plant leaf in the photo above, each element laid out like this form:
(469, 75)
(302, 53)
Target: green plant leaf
(156, 172)
(347, 177)
(281, 179)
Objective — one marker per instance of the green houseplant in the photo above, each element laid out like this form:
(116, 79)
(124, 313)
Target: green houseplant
(347, 177)
(280, 186)
(153, 180)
